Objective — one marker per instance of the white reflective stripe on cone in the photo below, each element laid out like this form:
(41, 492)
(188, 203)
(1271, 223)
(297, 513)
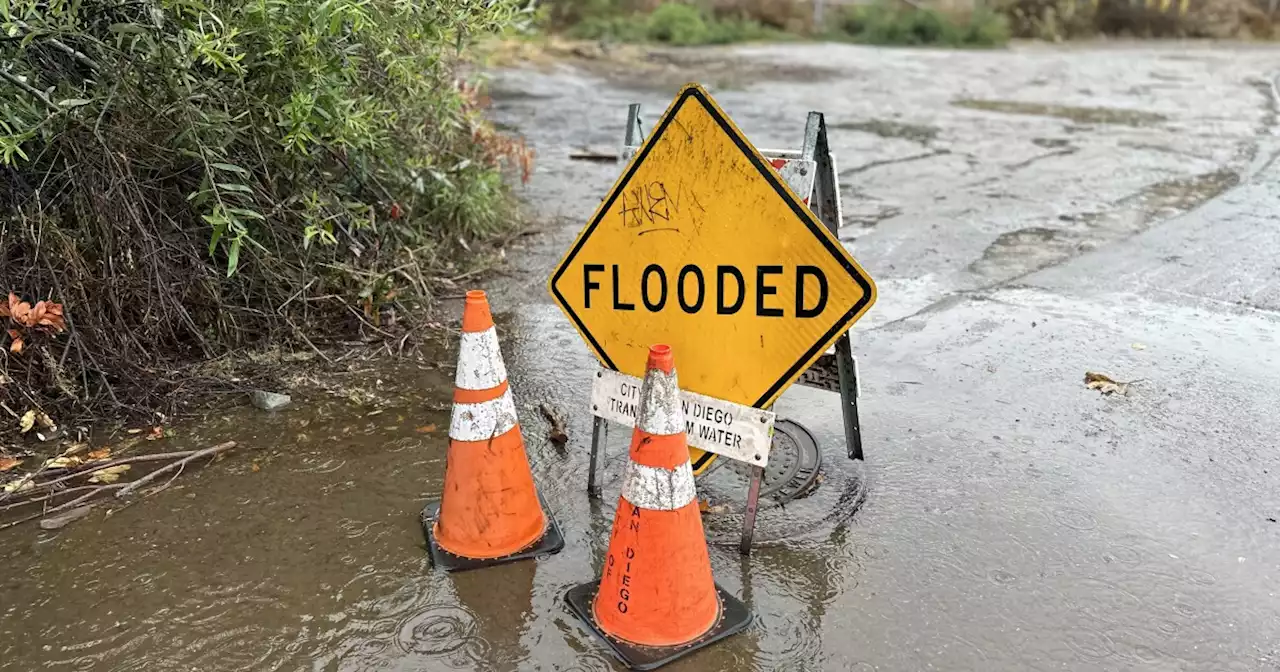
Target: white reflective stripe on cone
(659, 489)
(480, 364)
(483, 421)
(660, 412)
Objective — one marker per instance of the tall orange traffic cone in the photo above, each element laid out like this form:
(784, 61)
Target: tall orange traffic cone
(656, 600)
(490, 511)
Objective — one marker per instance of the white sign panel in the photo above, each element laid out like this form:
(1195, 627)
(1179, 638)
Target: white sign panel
(735, 431)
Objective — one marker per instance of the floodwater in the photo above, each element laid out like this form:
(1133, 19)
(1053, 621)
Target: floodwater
(1006, 517)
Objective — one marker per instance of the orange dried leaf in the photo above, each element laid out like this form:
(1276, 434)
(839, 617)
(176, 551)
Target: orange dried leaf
(255, 468)
(16, 345)
(19, 311)
(426, 429)
(100, 454)
(7, 309)
(156, 433)
(7, 463)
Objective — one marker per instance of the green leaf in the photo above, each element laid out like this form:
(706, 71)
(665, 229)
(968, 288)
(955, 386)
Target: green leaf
(131, 28)
(4, 9)
(235, 187)
(213, 240)
(230, 168)
(247, 213)
(233, 257)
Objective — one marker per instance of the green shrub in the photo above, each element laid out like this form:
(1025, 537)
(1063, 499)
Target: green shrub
(730, 30)
(673, 23)
(887, 23)
(189, 175)
(631, 28)
(678, 24)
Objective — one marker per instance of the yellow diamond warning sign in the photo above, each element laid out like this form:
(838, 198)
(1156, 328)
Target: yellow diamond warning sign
(701, 245)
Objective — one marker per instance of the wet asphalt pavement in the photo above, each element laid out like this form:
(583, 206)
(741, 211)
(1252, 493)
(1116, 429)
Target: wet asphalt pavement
(1028, 215)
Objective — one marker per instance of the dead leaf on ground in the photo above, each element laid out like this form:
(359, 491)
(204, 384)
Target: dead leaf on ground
(7, 463)
(25, 483)
(135, 431)
(1104, 383)
(28, 421)
(1138, 346)
(45, 421)
(99, 454)
(110, 474)
(156, 433)
(75, 448)
(63, 462)
(705, 506)
(556, 431)
(255, 468)
(426, 429)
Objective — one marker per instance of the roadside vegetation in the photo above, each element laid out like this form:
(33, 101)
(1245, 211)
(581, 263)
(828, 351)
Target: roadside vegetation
(182, 181)
(895, 23)
(899, 22)
(697, 22)
(1068, 19)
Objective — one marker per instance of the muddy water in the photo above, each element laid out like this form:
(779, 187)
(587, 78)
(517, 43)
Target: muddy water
(1006, 518)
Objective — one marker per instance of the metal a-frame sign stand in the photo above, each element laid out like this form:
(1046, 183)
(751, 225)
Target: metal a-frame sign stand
(835, 371)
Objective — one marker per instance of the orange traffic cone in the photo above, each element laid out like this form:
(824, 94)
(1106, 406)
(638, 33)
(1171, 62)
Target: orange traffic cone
(657, 600)
(490, 511)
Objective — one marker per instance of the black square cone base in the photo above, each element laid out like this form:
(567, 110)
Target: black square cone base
(552, 541)
(734, 618)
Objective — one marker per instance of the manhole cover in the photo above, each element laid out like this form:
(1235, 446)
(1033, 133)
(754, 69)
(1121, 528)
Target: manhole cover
(792, 471)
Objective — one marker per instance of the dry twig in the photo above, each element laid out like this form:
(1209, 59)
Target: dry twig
(207, 452)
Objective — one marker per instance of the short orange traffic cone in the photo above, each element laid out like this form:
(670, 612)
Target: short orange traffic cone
(490, 511)
(657, 600)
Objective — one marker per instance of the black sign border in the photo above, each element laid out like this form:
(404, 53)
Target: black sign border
(816, 227)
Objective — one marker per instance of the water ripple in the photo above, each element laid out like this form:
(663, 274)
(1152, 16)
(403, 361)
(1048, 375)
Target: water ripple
(437, 630)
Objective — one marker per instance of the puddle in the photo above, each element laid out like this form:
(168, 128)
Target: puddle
(1023, 251)
(1079, 115)
(886, 128)
(1051, 143)
(1184, 193)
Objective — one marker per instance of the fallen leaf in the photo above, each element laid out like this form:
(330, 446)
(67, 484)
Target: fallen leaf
(1104, 384)
(555, 432)
(1138, 346)
(25, 483)
(99, 454)
(45, 421)
(135, 431)
(156, 433)
(426, 429)
(63, 462)
(28, 421)
(75, 448)
(110, 474)
(7, 463)
(255, 467)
